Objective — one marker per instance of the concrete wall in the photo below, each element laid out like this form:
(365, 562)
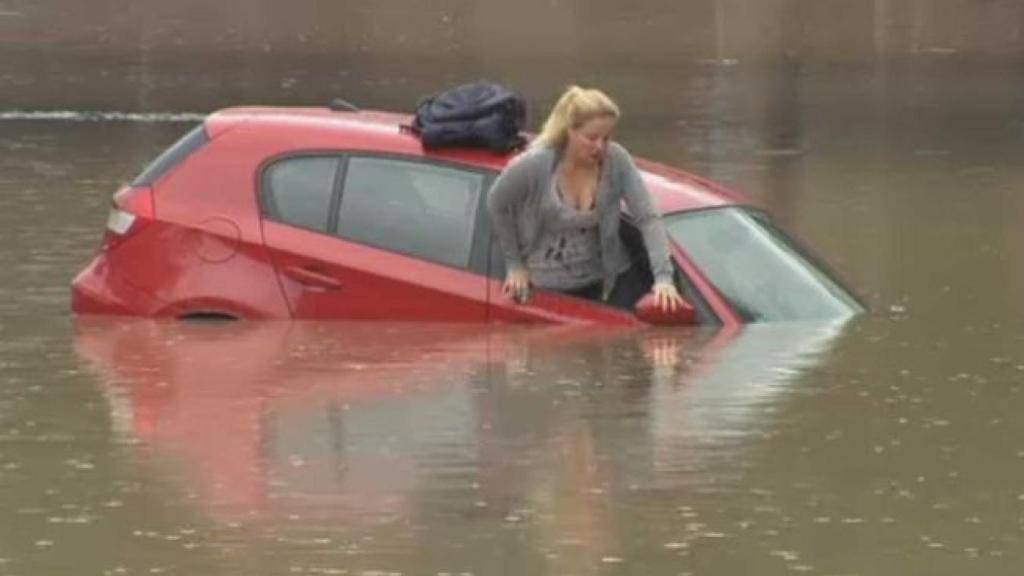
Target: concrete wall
(700, 29)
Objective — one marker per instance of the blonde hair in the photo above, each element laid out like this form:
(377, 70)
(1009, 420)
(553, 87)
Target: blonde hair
(574, 108)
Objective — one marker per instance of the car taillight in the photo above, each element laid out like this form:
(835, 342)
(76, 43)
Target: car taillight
(132, 209)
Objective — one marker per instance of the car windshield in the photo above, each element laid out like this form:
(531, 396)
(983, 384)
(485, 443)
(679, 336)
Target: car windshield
(759, 270)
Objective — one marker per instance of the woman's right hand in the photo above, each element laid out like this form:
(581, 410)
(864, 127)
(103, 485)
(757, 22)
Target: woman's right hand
(517, 285)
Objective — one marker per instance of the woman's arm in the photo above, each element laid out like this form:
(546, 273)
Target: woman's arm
(505, 196)
(647, 217)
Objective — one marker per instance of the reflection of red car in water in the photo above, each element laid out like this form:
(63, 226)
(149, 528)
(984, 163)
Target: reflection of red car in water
(321, 419)
(243, 407)
(320, 214)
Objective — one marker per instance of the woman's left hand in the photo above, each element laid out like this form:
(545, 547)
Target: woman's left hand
(666, 297)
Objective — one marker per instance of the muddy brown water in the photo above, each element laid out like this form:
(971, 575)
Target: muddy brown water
(889, 445)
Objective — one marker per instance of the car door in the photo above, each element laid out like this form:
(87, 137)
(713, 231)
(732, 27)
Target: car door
(543, 306)
(370, 237)
(551, 306)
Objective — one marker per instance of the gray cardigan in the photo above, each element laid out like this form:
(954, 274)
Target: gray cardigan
(515, 206)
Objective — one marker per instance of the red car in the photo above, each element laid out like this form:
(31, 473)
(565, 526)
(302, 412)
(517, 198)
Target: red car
(315, 213)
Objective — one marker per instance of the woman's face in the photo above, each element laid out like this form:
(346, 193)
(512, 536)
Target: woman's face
(589, 142)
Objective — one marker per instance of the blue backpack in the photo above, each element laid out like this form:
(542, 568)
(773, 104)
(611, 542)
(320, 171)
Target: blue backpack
(481, 114)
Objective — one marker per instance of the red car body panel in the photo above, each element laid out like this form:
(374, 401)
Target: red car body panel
(336, 279)
(209, 249)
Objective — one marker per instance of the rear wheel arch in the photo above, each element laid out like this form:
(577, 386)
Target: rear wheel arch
(210, 309)
(207, 316)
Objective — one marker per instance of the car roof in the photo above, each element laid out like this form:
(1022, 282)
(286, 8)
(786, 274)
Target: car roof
(388, 132)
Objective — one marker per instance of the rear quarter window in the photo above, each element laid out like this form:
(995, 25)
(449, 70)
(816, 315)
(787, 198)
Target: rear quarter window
(298, 191)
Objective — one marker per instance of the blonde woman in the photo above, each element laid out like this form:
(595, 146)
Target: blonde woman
(556, 208)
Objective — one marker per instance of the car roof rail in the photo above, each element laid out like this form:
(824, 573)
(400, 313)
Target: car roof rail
(341, 105)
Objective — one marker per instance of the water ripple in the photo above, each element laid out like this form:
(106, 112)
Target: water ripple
(99, 116)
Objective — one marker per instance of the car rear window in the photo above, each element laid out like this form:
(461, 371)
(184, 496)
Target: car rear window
(186, 145)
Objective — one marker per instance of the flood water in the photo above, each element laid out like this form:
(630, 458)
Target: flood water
(890, 445)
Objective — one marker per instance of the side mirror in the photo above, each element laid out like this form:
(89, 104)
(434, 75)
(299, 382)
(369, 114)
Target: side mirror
(647, 311)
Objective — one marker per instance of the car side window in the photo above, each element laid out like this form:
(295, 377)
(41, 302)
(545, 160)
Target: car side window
(416, 208)
(298, 191)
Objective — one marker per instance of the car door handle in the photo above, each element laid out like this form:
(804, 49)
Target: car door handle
(312, 278)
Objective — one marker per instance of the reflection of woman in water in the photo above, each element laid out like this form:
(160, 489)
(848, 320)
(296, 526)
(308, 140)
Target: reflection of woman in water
(556, 210)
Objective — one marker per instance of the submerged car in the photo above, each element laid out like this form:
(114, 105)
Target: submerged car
(322, 213)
